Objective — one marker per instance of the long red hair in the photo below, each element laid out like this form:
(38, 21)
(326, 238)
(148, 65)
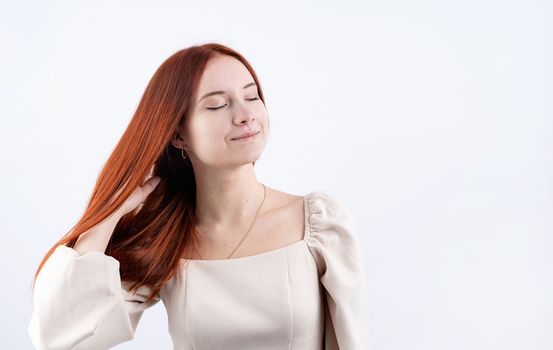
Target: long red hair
(150, 241)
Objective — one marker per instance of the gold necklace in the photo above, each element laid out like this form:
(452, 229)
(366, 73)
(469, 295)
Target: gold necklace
(242, 240)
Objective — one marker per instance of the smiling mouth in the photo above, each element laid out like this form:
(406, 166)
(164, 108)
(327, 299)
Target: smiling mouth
(246, 137)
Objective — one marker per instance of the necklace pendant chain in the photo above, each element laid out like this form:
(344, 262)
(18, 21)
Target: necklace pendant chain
(244, 237)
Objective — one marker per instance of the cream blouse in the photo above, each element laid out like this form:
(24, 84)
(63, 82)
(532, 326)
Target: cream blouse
(309, 295)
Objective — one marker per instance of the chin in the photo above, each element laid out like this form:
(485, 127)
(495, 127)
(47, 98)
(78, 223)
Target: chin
(253, 157)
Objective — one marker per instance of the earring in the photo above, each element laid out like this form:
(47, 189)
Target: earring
(182, 153)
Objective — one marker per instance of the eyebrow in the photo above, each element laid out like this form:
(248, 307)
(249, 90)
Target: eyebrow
(219, 92)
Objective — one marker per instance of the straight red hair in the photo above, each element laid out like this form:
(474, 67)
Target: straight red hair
(150, 241)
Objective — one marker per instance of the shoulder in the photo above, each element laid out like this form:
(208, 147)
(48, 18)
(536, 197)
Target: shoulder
(283, 202)
(328, 217)
(325, 204)
(318, 199)
(315, 204)
(320, 211)
(281, 198)
(331, 234)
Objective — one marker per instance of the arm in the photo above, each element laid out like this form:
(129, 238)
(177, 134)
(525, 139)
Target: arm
(334, 246)
(80, 303)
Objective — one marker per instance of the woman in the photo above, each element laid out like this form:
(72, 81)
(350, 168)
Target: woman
(177, 214)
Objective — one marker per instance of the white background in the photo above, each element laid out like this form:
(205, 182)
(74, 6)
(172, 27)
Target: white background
(431, 120)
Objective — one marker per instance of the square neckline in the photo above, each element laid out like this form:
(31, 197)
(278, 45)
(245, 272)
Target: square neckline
(306, 231)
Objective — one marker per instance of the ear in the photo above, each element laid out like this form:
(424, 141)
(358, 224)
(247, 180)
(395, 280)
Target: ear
(177, 140)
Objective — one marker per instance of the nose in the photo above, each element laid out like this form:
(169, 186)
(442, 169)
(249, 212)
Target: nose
(243, 115)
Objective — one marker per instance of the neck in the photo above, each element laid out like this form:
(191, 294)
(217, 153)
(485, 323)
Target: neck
(227, 198)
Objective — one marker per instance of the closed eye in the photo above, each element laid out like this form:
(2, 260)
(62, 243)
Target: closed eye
(215, 108)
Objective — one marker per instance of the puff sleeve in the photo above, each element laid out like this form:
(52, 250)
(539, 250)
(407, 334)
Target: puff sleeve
(80, 303)
(333, 243)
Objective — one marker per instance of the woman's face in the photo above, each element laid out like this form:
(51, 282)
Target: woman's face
(225, 106)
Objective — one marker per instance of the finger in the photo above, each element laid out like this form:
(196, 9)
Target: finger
(149, 175)
(151, 172)
(150, 185)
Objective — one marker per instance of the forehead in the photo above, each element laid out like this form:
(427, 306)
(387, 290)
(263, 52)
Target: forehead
(223, 73)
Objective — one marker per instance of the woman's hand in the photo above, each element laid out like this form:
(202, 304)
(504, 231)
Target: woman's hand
(97, 237)
(139, 195)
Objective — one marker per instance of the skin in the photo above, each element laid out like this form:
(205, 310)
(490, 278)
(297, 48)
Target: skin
(228, 191)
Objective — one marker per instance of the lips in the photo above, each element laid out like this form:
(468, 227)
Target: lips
(246, 135)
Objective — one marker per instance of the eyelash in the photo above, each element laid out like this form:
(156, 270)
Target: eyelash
(216, 108)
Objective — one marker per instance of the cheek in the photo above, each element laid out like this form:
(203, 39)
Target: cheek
(263, 117)
(210, 134)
